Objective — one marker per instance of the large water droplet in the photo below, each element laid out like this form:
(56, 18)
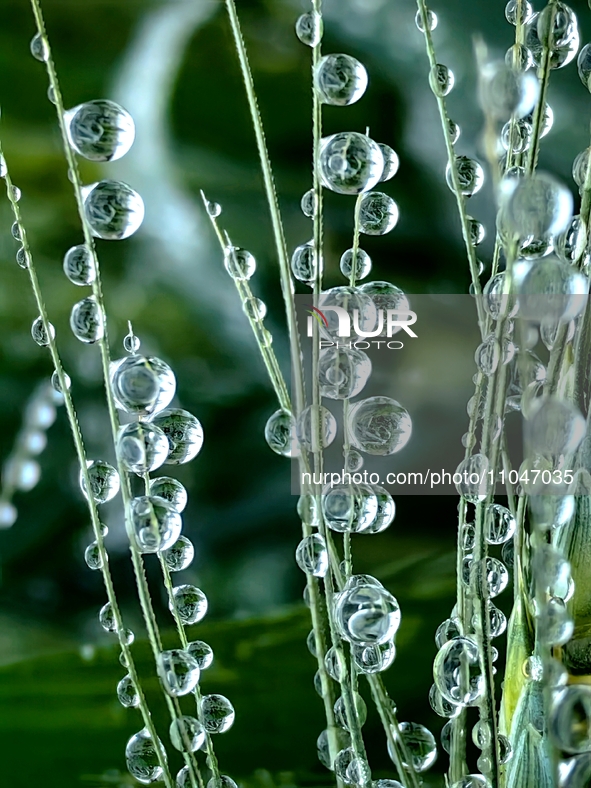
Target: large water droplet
(112, 209)
(104, 481)
(100, 130)
(379, 425)
(343, 372)
(180, 555)
(87, 321)
(420, 745)
(184, 433)
(316, 428)
(350, 163)
(156, 523)
(171, 490)
(79, 265)
(141, 447)
(178, 671)
(217, 713)
(142, 385)
(142, 757)
(366, 614)
(456, 671)
(378, 214)
(308, 28)
(312, 555)
(186, 734)
(349, 508)
(190, 602)
(39, 334)
(340, 79)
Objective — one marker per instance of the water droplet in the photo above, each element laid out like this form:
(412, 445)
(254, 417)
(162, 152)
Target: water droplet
(555, 625)
(570, 719)
(454, 131)
(512, 10)
(55, 382)
(312, 555)
(373, 659)
(442, 706)
(441, 80)
(254, 308)
(100, 130)
(107, 618)
(420, 744)
(474, 484)
(214, 209)
(180, 555)
(79, 265)
(353, 461)
(280, 434)
(240, 264)
(470, 175)
(341, 714)
(190, 602)
(86, 320)
(113, 210)
(385, 512)
(308, 204)
(431, 21)
(171, 490)
(391, 162)
(127, 693)
(378, 214)
(202, 653)
(93, 557)
(142, 757)
(366, 614)
(142, 385)
(518, 57)
(39, 334)
(350, 163)
(308, 28)
(379, 425)
(217, 713)
(23, 258)
(8, 514)
(178, 671)
(184, 433)
(516, 136)
(584, 65)
(350, 508)
(104, 481)
(556, 427)
(534, 206)
(487, 355)
(570, 245)
(156, 523)
(186, 734)
(39, 48)
(316, 428)
(16, 231)
(141, 447)
(351, 770)
(477, 231)
(340, 80)
(51, 95)
(499, 525)
(552, 572)
(506, 93)
(343, 372)
(362, 264)
(556, 29)
(456, 671)
(447, 630)
(303, 263)
(223, 782)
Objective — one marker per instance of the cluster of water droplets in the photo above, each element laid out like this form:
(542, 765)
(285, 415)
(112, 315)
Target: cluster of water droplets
(21, 470)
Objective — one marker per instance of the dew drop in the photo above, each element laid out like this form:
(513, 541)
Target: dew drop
(39, 334)
(39, 48)
(100, 130)
(184, 433)
(340, 80)
(113, 210)
(156, 524)
(79, 265)
(86, 320)
(178, 671)
(350, 163)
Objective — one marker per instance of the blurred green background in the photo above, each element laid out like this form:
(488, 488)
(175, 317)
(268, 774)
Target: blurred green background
(171, 64)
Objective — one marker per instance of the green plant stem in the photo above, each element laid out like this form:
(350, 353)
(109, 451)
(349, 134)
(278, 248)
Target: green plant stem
(544, 77)
(82, 461)
(273, 203)
(138, 567)
(451, 157)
